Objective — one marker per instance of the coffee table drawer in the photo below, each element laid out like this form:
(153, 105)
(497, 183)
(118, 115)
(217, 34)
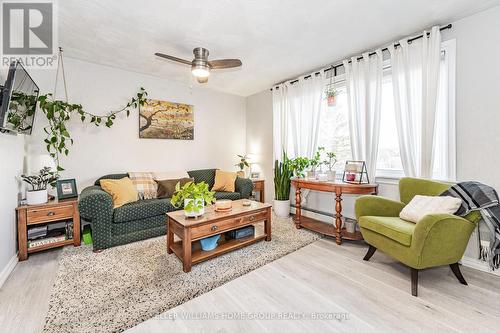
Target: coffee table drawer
(224, 225)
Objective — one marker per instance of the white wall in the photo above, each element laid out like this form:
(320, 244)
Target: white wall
(219, 132)
(259, 139)
(11, 167)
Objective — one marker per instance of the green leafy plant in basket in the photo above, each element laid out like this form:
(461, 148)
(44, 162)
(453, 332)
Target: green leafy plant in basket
(194, 197)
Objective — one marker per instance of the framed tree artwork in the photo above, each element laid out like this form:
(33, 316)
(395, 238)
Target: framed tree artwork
(166, 120)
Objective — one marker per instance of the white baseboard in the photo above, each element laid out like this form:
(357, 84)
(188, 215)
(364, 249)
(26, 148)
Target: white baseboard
(4, 275)
(479, 265)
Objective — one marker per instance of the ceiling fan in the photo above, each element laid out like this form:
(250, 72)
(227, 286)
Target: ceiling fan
(200, 66)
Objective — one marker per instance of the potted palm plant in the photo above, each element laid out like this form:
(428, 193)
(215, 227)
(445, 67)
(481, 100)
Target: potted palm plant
(38, 193)
(282, 175)
(193, 197)
(242, 164)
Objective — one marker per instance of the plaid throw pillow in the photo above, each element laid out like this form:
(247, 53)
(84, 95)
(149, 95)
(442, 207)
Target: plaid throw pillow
(145, 184)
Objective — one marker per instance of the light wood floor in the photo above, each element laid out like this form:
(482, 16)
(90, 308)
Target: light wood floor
(321, 278)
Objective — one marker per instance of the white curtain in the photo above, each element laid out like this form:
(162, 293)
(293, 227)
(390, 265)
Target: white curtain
(280, 120)
(296, 116)
(364, 96)
(415, 80)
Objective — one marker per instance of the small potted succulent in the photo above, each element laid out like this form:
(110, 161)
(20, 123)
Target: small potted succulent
(38, 193)
(331, 96)
(242, 164)
(193, 197)
(330, 161)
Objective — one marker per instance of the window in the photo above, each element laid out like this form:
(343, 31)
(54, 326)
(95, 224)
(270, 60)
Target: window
(334, 127)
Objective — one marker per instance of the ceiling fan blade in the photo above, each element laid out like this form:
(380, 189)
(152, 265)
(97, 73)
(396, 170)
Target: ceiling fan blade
(224, 63)
(169, 57)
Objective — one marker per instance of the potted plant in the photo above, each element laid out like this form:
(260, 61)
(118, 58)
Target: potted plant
(242, 164)
(38, 193)
(193, 197)
(298, 165)
(282, 175)
(314, 163)
(330, 95)
(330, 161)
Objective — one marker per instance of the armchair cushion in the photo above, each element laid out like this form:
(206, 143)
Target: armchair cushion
(394, 228)
(422, 205)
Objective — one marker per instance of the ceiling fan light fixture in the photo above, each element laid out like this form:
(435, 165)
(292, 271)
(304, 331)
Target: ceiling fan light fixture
(200, 70)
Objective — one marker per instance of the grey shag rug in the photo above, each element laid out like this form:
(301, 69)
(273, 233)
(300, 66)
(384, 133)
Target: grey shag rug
(123, 286)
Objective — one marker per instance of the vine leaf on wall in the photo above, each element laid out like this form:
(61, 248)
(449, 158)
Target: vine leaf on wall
(59, 113)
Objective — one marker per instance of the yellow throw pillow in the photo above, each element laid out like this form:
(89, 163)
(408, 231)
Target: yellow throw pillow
(121, 190)
(224, 181)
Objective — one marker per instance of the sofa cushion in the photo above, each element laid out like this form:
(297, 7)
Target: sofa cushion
(205, 175)
(228, 195)
(122, 191)
(422, 205)
(394, 228)
(142, 209)
(166, 188)
(224, 181)
(145, 184)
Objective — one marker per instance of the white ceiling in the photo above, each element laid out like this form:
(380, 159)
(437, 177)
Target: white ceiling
(276, 40)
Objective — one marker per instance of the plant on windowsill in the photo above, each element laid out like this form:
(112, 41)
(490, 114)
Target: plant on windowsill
(193, 197)
(330, 161)
(39, 182)
(298, 165)
(331, 96)
(242, 164)
(282, 174)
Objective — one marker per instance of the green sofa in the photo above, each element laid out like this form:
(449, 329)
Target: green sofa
(437, 239)
(141, 219)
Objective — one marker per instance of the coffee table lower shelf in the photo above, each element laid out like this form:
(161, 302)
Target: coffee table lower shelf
(224, 246)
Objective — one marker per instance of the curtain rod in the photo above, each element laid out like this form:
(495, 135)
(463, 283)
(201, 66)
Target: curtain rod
(334, 67)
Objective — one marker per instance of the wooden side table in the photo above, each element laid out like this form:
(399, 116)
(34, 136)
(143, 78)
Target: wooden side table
(258, 186)
(52, 211)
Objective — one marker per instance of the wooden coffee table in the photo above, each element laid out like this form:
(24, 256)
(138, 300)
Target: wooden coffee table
(191, 230)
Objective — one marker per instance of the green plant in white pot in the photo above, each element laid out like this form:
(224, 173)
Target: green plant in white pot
(193, 197)
(282, 174)
(330, 161)
(38, 193)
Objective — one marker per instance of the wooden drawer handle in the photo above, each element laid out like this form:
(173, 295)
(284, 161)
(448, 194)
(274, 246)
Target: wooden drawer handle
(214, 227)
(51, 214)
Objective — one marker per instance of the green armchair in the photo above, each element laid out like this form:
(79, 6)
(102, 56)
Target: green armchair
(437, 239)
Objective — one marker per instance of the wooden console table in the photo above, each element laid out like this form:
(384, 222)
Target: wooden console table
(258, 186)
(335, 230)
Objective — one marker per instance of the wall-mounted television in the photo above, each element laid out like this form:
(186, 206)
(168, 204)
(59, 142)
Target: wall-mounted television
(18, 101)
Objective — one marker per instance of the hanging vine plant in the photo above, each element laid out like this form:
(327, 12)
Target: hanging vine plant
(59, 113)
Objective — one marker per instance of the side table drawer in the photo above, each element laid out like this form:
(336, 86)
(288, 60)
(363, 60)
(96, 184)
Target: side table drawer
(47, 214)
(218, 227)
(258, 185)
